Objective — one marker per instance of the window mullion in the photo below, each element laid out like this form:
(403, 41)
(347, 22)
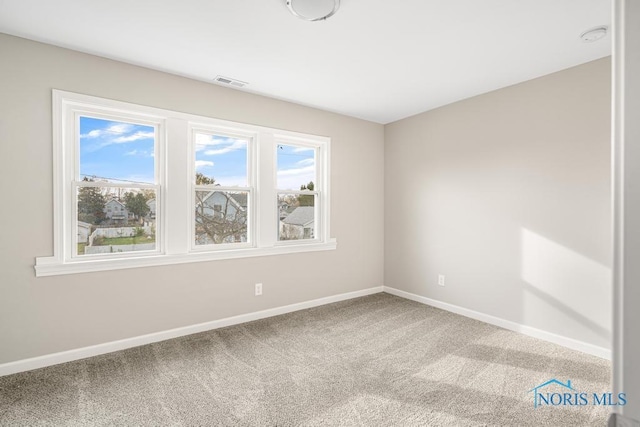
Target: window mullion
(176, 198)
(266, 196)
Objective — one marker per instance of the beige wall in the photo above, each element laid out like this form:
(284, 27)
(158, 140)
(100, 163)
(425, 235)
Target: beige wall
(508, 195)
(39, 316)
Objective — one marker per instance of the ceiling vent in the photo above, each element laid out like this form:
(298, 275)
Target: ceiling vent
(230, 82)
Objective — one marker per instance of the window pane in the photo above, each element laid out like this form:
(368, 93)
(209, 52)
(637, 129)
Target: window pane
(221, 217)
(221, 160)
(297, 216)
(116, 151)
(112, 220)
(296, 167)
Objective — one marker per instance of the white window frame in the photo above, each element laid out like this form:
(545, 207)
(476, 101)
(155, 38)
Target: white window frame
(251, 137)
(71, 147)
(175, 171)
(319, 185)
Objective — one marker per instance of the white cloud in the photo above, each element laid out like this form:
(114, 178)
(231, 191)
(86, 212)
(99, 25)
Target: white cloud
(292, 179)
(204, 141)
(140, 153)
(202, 164)
(120, 128)
(298, 171)
(115, 128)
(117, 133)
(237, 145)
(302, 149)
(133, 137)
(306, 162)
(92, 134)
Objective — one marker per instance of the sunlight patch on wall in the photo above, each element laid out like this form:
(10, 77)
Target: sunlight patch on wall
(562, 280)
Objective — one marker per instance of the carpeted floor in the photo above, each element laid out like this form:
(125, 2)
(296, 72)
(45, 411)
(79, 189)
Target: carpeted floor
(373, 361)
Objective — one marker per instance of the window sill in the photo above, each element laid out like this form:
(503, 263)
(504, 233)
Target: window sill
(52, 266)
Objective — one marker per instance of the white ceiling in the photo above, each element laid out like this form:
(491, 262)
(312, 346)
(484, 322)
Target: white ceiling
(375, 59)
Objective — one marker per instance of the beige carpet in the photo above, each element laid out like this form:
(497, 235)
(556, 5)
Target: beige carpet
(373, 361)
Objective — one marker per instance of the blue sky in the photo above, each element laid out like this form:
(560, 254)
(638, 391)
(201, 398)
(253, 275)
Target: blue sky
(225, 159)
(222, 158)
(116, 151)
(124, 152)
(296, 167)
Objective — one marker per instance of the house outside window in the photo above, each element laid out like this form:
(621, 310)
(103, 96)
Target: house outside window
(223, 188)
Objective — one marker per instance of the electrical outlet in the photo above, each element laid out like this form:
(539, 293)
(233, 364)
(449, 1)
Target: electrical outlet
(441, 279)
(258, 289)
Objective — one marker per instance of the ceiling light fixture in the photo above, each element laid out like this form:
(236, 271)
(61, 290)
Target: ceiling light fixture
(594, 34)
(313, 10)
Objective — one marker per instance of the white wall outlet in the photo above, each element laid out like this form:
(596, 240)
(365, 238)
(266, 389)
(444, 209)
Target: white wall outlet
(258, 289)
(441, 279)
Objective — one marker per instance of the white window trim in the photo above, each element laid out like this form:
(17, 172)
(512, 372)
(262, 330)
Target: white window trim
(321, 184)
(252, 137)
(175, 172)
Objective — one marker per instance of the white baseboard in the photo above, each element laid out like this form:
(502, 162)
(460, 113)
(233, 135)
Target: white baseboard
(95, 350)
(571, 343)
